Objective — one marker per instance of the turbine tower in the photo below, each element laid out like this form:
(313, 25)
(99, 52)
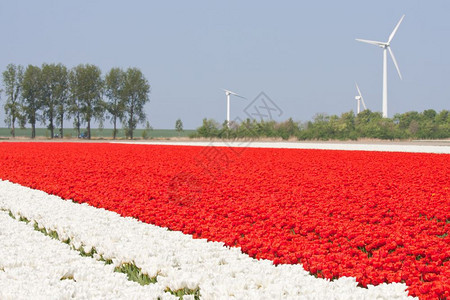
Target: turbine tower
(229, 93)
(359, 99)
(386, 46)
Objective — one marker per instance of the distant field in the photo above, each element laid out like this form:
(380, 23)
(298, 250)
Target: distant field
(98, 133)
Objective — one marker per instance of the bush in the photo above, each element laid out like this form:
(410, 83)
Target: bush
(348, 126)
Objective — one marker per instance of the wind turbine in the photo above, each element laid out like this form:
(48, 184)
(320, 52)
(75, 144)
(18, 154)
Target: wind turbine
(359, 99)
(229, 93)
(386, 47)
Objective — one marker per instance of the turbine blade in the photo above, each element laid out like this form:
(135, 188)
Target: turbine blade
(360, 95)
(376, 43)
(395, 29)
(239, 96)
(359, 92)
(395, 62)
(363, 103)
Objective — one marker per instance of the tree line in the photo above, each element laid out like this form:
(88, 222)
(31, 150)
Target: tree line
(52, 93)
(367, 124)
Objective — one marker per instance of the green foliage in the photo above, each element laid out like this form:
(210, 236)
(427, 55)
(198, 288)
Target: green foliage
(185, 291)
(53, 94)
(12, 79)
(178, 125)
(67, 277)
(74, 105)
(348, 126)
(135, 95)
(114, 91)
(209, 128)
(87, 90)
(31, 93)
(62, 96)
(135, 274)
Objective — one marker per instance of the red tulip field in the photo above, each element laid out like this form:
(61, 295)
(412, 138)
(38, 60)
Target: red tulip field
(376, 216)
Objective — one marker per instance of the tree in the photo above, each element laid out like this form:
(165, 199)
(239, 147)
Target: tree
(266, 128)
(443, 121)
(443, 117)
(367, 124)
(54, 95)
(346, 126)
(86, 95)
(320, 128)
(74, 108)
(47, 96)
(405, 119)
(179, 126)
(114, 90)
(209, 128)
(31, 89)
(136, 90)
(429, 114)
(244, 129)
(61, 96)
(287, 129)
(12, 81)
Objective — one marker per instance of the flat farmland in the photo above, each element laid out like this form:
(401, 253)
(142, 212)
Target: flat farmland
(96, 133)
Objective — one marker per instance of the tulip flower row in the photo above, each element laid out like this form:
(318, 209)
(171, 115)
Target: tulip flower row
(377, 216)
(175, 260)
(35, 266)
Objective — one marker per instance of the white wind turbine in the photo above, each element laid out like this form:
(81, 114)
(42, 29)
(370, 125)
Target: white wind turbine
(229, 93)
(386, 46)
(360, 99)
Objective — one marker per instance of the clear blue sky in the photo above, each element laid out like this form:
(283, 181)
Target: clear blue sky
(302, 54)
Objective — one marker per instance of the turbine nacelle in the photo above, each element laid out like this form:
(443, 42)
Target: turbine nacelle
(387, 45)
(228, 92)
